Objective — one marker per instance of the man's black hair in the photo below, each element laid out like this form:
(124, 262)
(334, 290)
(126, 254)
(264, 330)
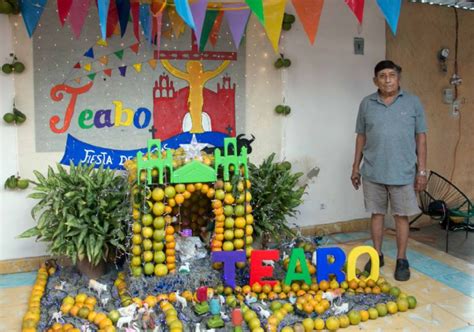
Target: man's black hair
(387, 64)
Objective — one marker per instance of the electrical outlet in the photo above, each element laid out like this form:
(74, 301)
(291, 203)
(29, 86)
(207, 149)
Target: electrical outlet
(359, 45)
(455, 108)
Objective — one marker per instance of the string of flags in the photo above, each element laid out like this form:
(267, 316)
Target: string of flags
(203, 16)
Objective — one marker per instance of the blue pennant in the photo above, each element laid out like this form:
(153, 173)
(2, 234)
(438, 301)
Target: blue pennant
(90, 53)
(31, 11)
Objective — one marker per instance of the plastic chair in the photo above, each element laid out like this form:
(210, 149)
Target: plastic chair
(445, 202)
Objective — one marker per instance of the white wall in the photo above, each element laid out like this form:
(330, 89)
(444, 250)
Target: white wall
(323, 86)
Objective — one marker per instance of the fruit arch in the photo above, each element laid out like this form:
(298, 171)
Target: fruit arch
(204, 195)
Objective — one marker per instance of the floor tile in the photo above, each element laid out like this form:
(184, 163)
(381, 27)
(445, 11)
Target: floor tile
(17, 279)
(462, 307)
(431, 317)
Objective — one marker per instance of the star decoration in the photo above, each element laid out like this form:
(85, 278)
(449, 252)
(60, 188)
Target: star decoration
(193, 149)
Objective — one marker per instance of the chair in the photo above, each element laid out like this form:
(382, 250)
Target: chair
(445, 202)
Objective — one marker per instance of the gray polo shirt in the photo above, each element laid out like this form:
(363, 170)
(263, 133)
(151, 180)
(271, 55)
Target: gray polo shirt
(390, 148)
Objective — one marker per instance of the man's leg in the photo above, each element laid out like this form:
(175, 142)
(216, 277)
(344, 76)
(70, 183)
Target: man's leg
(403, 230)
(376, 228)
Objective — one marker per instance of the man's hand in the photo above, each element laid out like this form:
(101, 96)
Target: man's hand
(355, 178)
(420, 183)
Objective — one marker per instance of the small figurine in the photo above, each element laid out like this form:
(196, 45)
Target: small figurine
(97, 286)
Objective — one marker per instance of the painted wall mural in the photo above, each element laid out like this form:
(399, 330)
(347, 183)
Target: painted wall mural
(99, 101)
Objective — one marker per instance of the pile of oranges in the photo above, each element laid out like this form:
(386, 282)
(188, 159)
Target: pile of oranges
(171, 316)
(32, 316)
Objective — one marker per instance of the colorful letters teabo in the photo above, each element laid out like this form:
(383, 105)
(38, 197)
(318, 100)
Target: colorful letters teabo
(259, 271)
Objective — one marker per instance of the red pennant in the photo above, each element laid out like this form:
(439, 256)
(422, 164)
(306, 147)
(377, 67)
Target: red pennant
(357, 7)
(77, 65)
(215, 28)
(135, 47)
(135, 9)
(112, 19)
(64, 6)
(108, 72)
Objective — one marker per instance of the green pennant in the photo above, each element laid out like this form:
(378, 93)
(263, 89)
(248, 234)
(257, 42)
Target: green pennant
(92, 76)
(119, 54)
(209, 20)
(256, 6)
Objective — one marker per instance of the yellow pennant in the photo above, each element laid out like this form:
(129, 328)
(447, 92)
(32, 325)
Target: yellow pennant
(104, 59)
(152, 63)
(87, 66)
(138, 67)
(177, 24)
(102, 42)
(273, 13)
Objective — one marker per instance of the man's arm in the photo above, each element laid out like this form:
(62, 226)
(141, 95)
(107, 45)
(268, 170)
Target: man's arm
(421, 152)
(359, 147)
(213, 73)
(174, 71)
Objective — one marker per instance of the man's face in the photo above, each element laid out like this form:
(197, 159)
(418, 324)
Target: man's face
(388, 81)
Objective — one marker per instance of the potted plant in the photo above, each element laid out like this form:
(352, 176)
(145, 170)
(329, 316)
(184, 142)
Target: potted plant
(82, 214)
(275, 196)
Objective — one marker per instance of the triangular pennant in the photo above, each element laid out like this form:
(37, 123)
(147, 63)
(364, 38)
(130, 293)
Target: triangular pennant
(78, 80)
(152, 63)
(119, 54)
(92, 76)
(117, 30)
(211, 16)
(138, 67)
(391, 11)
(31, 10)
(123, 70)
(103, 6)
(87, 67)
(135, 47)
(256, 6)
(273, 21)
(177, 24)
(183, 10)
(157, 18)
(198, 10)
(104, 59)
(357, 7)
(108, 72)
(64, 6)
(90, 53)
(80, 9)
(123, 10)
(77, 65)
(309, 13)
(145, 20)
(216, 28)
(112, 19)
(135, 10)
(237, 20)
(102, 42)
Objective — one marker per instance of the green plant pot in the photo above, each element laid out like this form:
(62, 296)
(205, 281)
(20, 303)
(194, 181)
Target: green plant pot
(91, 271)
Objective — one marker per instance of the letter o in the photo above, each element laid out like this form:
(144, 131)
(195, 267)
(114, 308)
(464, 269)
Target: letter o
(136, 118)
(352, 259)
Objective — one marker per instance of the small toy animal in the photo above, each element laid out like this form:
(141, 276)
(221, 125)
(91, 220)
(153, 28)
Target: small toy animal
(97, 286)
(181, 300)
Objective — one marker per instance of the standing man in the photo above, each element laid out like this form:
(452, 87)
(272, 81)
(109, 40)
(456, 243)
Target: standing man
(391, 139)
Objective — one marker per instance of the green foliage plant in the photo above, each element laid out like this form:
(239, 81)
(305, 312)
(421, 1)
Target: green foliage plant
(276, 195)
(81, 213)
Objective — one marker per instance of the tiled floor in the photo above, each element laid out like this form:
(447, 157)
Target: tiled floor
(442, 284)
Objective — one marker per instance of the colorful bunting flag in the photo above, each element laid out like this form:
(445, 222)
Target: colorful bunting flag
(256, 6)
(309, 13)
(145, 21)
(108, 72)
(211, 16)
(273, 21)
(152, 63)
(104, 59)
(80, 9)
(103, 6)
(31, 11)
(237, 20)
(138, 67)
(215, 28)
(64, 6)
(102, 42)
(88, 66)
(391, 11)
(119, 54)
(177, 24)
(77, 65)
(158, 18)
(123, 10)
(357, 7)
(90, 53)
(135, 10)
(123, 70)
(198, 10)
(112, 19)
(182, 7)
(92, 76)
(135, 47)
